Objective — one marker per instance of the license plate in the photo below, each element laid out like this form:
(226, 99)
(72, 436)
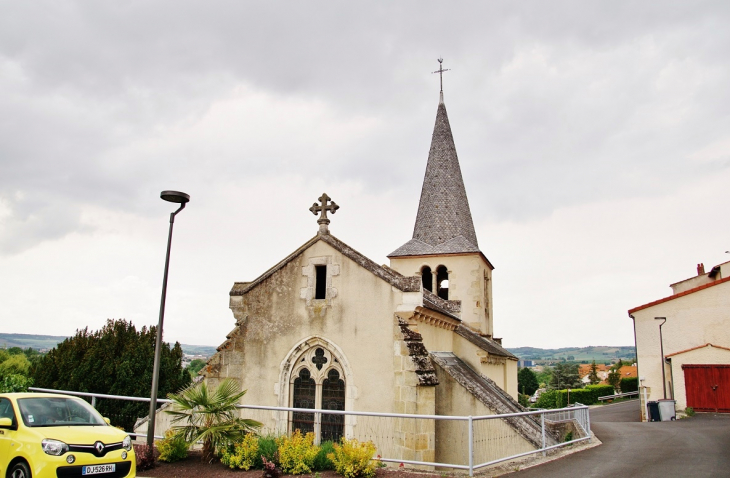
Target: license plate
(97, 469)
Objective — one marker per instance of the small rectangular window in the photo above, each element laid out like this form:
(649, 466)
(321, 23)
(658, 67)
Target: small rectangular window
(320, 287)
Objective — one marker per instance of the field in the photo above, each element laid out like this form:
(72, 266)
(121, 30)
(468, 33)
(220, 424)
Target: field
(600, 353)
(47, 342)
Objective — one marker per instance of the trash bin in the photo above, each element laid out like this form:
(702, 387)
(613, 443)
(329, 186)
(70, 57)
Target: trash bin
(654, 411)
(666, 410)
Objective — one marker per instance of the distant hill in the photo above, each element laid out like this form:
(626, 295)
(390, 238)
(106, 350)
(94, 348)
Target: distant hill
(38, 342)
(599, 353)
(47, 342)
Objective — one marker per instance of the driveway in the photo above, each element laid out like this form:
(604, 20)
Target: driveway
(692, 447)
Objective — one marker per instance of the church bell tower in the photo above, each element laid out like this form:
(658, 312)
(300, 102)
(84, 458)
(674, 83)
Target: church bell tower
(444, 250)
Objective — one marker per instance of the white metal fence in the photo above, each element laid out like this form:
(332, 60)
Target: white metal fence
(483, 440)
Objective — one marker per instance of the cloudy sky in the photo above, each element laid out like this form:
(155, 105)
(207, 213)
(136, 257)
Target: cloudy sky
(594, 139)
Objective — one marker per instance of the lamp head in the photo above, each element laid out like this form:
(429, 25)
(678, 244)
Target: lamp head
(175, 196)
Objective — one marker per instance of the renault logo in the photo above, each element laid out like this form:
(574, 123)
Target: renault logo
(99, 447)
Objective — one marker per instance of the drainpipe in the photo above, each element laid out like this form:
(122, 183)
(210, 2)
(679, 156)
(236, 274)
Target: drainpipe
(661, 345)
(636, 354)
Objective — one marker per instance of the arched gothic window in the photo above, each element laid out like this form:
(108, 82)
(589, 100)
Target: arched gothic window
(317, 383)
(427, 278)
(442, 282)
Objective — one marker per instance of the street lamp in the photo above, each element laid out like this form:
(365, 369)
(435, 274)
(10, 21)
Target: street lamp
(181, 199)
(661, 344)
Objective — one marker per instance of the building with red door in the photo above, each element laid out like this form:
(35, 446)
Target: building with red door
(683, 343)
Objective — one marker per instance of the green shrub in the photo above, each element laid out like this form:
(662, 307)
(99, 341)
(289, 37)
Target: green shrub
(523, 399)
(601, 390)
(172, 448)
(321, 462)
(569, 436)
(297, 453)
(689, 411)
(268, 450)
(629, 384)
(582, 396)
(243, 454)
(353, 459)
(547, 399)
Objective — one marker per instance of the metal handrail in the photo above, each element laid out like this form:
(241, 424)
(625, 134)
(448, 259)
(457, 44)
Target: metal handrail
(578, 412)
(618, 395)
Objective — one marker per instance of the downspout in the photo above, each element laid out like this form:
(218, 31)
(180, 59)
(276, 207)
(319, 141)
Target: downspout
(638, 375)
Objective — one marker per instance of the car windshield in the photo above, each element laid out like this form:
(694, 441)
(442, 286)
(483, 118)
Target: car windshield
(58, 411)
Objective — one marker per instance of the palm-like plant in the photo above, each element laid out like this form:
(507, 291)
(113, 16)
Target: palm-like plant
(209, 416)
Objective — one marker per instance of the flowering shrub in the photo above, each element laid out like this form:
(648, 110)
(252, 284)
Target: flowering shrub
(352, 459)
(172, 448)
(242, 454)
(297, 453)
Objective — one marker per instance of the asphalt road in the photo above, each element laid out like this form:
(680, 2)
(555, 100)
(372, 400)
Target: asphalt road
(692, 447)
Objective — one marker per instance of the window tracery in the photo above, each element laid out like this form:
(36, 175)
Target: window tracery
(317, 383)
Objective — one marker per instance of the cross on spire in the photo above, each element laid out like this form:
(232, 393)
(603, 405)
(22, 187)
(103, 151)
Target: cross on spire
(322, 210)
(440, 71)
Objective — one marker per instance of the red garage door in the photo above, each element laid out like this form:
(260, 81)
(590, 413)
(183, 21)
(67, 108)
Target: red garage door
(707, 387)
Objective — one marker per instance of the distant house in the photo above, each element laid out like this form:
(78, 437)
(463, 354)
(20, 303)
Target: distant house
(695, 337)
(602, 371)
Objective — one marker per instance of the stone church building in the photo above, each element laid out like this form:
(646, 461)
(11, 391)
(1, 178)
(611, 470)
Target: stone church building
(328, 328)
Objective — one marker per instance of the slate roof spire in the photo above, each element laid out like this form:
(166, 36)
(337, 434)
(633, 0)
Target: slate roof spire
(443, 223)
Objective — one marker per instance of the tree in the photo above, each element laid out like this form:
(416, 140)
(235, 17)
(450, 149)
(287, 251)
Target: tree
(116, 360)
(209, 416)
(614, 376)
(593, 374)
(565, 376)
(196, 365)
(14, 372)
(527, 381)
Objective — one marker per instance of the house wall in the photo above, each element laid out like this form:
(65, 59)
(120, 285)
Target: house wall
(493, 439)
(693, 320)
(470, 281)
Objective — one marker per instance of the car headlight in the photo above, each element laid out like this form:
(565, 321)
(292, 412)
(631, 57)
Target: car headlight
(127, 443)
(54, 447)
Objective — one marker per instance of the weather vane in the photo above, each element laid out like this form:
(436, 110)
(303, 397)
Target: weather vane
(440, 71)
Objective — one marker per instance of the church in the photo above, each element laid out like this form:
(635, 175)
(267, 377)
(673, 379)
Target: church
(328, 328)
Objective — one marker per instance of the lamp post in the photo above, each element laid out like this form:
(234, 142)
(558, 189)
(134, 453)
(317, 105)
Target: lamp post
(661, 345)
(181, 199)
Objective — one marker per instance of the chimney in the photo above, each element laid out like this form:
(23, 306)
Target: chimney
(700, 269)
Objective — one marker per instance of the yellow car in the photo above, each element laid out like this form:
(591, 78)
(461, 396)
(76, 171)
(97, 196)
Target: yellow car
(58, 436)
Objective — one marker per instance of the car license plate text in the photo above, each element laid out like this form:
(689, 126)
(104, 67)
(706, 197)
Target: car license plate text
(97, 469)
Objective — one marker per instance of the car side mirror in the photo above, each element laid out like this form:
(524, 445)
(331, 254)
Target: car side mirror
(6, 423)
(108, 422)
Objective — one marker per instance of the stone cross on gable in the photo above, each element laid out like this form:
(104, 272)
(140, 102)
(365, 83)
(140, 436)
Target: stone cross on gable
(322, 210)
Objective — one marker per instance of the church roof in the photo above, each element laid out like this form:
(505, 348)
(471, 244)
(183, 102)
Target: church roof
(396, 279)
(443, 224)
(484, 343)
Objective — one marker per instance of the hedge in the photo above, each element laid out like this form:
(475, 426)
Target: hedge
(629, 384)
(601, 390)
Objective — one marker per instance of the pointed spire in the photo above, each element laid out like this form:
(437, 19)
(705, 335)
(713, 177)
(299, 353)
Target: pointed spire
(443, 224)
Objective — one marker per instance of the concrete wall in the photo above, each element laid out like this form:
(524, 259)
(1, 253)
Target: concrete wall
(493, 439)
(502, 370)
(470, 281)
(693, 320)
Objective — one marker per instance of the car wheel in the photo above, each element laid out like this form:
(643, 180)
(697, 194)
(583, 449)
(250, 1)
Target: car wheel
(19, 470)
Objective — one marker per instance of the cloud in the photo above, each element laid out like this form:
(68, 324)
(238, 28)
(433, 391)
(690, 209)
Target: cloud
(563, 113)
